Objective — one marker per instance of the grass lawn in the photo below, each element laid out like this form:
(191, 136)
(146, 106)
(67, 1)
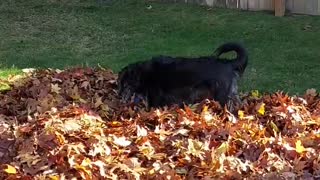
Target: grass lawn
(284, 52)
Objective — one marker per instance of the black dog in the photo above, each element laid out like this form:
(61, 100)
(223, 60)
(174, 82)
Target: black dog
(168, 80)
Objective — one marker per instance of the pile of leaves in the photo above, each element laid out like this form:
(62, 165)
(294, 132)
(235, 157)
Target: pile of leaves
(70, 124)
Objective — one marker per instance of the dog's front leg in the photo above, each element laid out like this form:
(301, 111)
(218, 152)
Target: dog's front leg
(234, 101)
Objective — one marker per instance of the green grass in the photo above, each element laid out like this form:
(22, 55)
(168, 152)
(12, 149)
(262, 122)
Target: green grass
(41, 34)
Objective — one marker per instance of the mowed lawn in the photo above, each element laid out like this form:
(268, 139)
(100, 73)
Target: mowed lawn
(284, 52)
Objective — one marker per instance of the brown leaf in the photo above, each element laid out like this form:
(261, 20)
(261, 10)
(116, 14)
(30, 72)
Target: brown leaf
(69, 123)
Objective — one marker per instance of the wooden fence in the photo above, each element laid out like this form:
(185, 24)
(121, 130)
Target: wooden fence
(310, 7)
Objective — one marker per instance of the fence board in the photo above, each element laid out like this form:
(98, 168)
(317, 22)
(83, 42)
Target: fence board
(308, 6)
(265, 5)
(232, 4)
(298, 6)
(315, 6)
(253, 5)
(311, 7)
(289, 5)
(294, 6)
(244, 4)
(219, 3)
(280, 8)
(318, 8)
(209, 2)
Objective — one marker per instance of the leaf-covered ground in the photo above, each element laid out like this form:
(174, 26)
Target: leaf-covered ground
(70, 124)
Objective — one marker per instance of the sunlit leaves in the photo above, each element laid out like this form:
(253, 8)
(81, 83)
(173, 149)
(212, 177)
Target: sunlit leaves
(70, 124)
(196, 148)
(121, 141)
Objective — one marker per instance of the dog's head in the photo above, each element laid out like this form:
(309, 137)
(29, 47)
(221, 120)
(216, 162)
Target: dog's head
(130, 83)
(127, 83)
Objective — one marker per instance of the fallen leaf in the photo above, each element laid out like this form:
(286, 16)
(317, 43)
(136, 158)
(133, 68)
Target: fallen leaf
(255, 94)
(241, 114)
(261, 108)
(55, 88)
(299, 147)
(10, 169)
(311, 92)
(121, 141)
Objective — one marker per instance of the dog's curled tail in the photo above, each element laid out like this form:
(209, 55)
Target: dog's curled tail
(241, 61)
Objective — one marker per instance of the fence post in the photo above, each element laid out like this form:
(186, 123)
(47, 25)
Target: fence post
(279, 7)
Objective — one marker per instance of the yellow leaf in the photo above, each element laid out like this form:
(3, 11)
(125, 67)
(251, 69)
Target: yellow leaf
(10, 169)
(54, 177)
(84, 171)
(86, 162)
(261, 109)
(60, 137)
(223, 148)
(4, 86)
(255, 93)
(299, 147)
(205, 109)
(116, 123)
(241, 114)
(152, 171)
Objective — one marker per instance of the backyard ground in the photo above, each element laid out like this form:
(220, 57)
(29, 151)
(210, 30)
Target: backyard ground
(284, 52)
(72, 125)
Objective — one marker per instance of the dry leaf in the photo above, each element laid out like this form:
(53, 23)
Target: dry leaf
(10, 169)
(299, 147)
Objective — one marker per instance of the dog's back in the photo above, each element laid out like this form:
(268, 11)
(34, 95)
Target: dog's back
(172, 72)
(177, 72)
(169, 80)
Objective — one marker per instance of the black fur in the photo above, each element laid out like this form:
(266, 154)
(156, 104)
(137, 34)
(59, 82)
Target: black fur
(166, 80)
